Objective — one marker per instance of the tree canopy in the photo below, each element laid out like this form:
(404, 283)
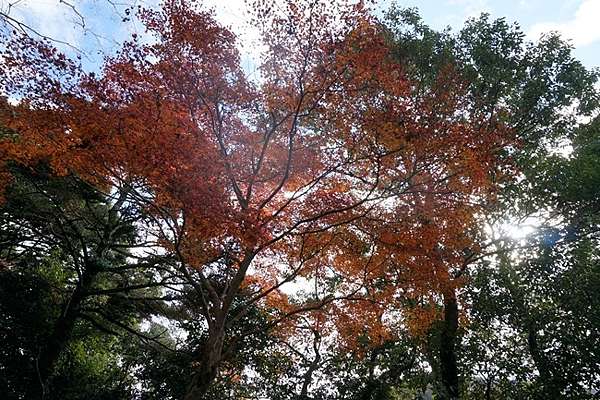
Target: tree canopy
(174, 229)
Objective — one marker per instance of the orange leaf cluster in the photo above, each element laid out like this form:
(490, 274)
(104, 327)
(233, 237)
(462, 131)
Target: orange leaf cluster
(332, 162)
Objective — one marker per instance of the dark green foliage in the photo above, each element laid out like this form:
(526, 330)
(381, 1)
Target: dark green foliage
(30, 301)
(64, 252)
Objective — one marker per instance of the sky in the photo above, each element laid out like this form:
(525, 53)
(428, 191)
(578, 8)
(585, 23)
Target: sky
(96, 25)
(576, 20)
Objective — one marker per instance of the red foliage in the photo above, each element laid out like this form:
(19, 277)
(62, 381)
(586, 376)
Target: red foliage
(329, 166)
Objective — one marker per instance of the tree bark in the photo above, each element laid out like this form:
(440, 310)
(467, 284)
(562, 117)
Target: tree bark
(447, 351)
(488, 389)
(212, 355)
(549, 384)
(208, 368)
(314, 365)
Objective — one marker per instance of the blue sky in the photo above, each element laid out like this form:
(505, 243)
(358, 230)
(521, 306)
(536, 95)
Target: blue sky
(576, 20)
(101, 27)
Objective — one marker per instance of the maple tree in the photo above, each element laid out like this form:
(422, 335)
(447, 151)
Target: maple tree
(331, 166)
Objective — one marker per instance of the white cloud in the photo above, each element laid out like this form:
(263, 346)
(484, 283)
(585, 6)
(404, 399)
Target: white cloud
(460, 11)
(471, 8)
(583, 29)
(528, 5)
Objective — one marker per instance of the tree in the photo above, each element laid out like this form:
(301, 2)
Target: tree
(331, 167)
(528, 86)
(54, 281)
(541, 297)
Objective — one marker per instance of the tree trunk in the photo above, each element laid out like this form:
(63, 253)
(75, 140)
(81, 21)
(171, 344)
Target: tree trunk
(549, 384)
(61, 333)
(212, 355)
(448, 367)
(207, 370)
(488, 389)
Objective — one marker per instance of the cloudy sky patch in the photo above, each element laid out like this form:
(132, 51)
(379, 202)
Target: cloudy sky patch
(582, 29)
